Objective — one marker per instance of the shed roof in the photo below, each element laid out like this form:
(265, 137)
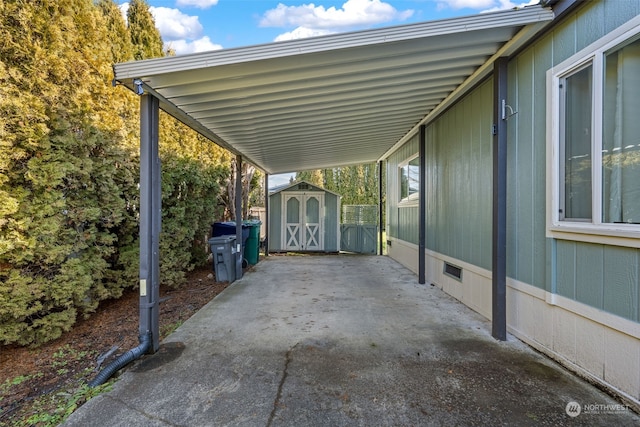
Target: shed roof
(294, 185)
(334, 100)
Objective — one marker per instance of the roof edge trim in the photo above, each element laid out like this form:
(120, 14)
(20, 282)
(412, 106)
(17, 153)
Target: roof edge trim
(149, 67)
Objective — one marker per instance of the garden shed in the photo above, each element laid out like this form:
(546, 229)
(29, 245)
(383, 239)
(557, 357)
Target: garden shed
(304, 218)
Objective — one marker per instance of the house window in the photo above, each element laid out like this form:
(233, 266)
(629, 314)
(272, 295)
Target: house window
(409, 173)
(576, 145)
(595, 139)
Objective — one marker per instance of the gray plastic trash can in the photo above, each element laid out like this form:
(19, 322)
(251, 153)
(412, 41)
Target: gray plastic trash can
(223, 249)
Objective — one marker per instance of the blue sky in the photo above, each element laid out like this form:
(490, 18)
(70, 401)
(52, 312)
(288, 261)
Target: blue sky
(189, 26)
(200, 25)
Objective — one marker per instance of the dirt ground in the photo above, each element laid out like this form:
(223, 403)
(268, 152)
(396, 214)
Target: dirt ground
(41, 386)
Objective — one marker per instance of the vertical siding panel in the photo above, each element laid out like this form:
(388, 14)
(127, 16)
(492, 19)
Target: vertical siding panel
(459, 147)
(564, 40)
(589, 274)
(475, 156)
(330, 222)
(525, 209)
(621, 282)
(430, 186)
(468, 209)
(618, 14)
(485, 175)
(513, 232)
(566, 278)
(275, 221)
(541, 253)
(590, 25)
(442, 179)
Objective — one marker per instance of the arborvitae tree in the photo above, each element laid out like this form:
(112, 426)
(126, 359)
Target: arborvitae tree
(57, 167)
(314, 177)
(145, 37)
(69, 167)
(358, 185)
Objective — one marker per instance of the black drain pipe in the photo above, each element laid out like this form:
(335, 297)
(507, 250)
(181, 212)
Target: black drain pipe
(122, 361)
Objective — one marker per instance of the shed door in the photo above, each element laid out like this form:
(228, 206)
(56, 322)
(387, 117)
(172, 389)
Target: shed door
(303, 222)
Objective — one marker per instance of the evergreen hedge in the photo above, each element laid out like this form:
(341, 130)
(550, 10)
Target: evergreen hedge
(69, 167)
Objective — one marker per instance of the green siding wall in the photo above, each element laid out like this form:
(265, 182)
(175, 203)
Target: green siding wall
(458, 182)
(459, 179)
(605, 277)
(402, 220)
(582, 270)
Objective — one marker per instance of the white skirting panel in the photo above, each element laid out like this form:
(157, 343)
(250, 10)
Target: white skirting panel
(597, 345)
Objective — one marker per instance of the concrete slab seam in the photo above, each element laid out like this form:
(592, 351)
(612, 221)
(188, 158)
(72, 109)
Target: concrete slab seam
(144, 414)
(285, 373)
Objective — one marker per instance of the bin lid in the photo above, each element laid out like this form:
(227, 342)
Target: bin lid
(229, 224)
(222, 239)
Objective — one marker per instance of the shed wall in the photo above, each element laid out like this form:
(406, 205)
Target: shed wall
(331, 226)
(275, 222)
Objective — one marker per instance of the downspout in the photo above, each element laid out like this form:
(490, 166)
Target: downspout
(122, 361)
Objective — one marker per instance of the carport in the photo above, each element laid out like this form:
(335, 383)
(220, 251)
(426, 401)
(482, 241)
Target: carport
(326, 102)
(361, 345)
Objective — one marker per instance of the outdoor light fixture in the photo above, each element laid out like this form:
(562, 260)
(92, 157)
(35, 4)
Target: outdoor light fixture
(138, 86)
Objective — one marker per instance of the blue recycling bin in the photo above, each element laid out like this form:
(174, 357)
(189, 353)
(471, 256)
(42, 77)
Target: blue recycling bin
(229, 227)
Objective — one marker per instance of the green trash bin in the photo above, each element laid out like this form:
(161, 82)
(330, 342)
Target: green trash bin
(252, 245)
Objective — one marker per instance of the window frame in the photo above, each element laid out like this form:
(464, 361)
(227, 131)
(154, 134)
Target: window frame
(411, 199)
(593, 230)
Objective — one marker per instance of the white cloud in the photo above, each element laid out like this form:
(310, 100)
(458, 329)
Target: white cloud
(180, 32)
(301, 33)
(175, 25)
(484, 5)
(204, 44)
(464, 4)
(314, 20)
(506, 5)
(201, 4)
(124, 7)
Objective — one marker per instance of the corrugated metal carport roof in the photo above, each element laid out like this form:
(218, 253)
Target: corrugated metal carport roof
(334, 100)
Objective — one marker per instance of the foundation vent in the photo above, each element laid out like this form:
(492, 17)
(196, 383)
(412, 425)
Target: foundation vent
(453, 271)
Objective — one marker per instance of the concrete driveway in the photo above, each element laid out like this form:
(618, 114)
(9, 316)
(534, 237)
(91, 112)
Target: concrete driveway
(343, 341)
